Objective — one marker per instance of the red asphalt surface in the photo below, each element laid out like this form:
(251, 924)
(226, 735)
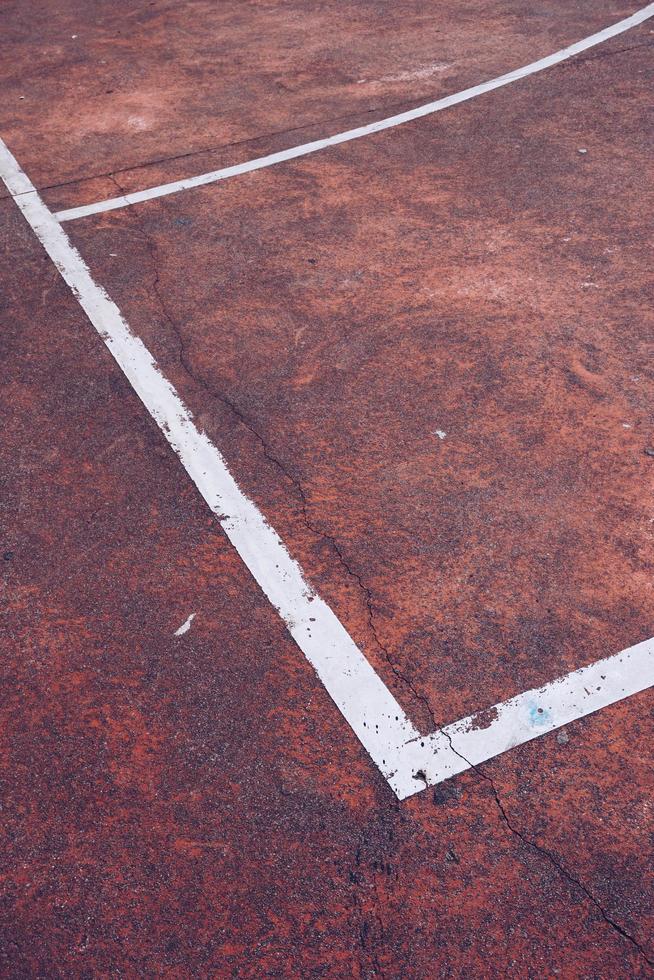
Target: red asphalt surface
(196, 805)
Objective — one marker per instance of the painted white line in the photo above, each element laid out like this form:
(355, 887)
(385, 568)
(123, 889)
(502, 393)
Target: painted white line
(409, 761)
(185, 627)
(428, 109)
(481, 737)
(365, 701)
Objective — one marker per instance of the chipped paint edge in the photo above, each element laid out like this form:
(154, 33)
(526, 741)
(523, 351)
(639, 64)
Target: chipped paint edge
(469, 742)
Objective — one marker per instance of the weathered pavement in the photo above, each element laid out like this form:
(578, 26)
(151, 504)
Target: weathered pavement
(195, 805)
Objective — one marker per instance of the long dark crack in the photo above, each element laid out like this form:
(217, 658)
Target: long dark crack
(216, 147)
(602, 54)
(543, 851)
(300, 493)
(549, 856)
(368, 598)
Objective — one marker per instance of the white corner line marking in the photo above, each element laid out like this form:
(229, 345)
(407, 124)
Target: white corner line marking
(428, 109)
(407, 759)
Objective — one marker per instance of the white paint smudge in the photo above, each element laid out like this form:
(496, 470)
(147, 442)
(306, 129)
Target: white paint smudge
(185, 627)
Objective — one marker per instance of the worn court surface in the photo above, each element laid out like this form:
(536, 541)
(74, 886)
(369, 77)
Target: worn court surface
(427, 356)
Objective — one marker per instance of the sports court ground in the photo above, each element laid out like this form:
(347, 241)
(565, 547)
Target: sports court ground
(328, 454)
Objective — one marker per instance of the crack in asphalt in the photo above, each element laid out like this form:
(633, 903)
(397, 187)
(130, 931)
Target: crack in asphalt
(368, 598)
(600, 55)
(214, 148)
(552, 858)
(295, 483)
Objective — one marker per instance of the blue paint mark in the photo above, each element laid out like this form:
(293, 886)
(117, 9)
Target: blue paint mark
(538, 716)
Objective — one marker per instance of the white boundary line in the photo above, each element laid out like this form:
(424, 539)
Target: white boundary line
(362, 697)
(409, 760)
(429, 108)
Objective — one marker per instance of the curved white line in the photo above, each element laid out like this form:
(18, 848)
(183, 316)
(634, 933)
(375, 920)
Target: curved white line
(352, 134)
(360, 694)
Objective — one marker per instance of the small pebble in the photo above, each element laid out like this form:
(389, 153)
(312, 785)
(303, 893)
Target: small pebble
(649, 452)
(563, 738)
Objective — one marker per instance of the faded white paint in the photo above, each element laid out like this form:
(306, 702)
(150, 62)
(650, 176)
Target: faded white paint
(428, 109)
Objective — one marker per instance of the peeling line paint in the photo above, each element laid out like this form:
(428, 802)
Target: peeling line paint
(464, 744)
